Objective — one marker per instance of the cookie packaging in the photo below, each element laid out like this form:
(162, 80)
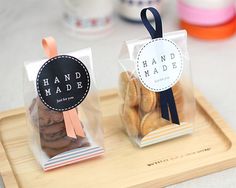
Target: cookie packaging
(62, 107)
(155, 85)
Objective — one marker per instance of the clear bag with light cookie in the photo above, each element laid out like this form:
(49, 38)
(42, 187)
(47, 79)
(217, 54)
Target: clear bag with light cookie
(155, 85)
(62, 107)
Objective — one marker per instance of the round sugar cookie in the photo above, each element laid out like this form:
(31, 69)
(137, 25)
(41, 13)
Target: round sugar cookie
(123, 82)
(132, 95)
(151, 122)
(147, 99)
(132, 120)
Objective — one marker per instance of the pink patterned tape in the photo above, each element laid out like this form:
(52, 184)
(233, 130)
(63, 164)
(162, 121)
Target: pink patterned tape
(204, 17)
(89, 23)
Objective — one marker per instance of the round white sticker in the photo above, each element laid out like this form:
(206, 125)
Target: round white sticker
(159, 64)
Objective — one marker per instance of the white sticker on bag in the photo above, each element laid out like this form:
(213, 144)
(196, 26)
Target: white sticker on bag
(159, 64)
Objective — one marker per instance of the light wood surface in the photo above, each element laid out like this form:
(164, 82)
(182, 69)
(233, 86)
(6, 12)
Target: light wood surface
(211, 148)
(6, 172)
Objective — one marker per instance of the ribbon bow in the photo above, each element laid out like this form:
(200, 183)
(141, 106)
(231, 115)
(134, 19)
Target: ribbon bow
(167, 101)
(71, 118)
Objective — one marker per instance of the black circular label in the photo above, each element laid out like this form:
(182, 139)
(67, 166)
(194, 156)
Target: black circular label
(63, 82)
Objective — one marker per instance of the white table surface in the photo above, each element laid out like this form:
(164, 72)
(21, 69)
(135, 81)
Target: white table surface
(24, 23)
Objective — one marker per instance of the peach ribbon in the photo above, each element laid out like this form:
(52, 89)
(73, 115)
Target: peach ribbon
(71, 118)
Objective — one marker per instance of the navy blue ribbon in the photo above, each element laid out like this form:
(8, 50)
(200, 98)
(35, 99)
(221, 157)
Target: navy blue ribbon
(167, 101)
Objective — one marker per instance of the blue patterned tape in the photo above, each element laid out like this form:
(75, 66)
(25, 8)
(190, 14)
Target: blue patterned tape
(140, 2)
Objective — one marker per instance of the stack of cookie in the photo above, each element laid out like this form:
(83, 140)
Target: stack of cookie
(52, 131)
(140, 110)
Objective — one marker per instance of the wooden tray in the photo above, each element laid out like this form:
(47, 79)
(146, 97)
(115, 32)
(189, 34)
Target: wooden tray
(211, 148)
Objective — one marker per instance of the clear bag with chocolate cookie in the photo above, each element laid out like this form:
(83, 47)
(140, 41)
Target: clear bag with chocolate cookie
(155, 85)
(62, 107)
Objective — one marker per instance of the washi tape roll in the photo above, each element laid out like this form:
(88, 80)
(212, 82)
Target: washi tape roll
(209, 4)
(130, 9)
(211, 33)
(204, 17)
(88, 17)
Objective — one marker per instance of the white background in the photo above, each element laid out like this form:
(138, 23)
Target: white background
(23, 23)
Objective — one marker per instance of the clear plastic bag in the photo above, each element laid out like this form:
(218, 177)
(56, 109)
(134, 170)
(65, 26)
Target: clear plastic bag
(48, 137)
(140, 109)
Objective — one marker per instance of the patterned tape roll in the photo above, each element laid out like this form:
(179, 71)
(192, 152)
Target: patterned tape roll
(205, 17)
(139, 2)
(209, 4)
(86, 18)
(210, 33)
(130, 9)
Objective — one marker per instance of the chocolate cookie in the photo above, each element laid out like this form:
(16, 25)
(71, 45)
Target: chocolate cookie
(77, 143)
(49, 117)
(56, 144)
(42, 115)
(54, 136)
(52, 129)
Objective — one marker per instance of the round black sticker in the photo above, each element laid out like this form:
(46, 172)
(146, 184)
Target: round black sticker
(63, 82)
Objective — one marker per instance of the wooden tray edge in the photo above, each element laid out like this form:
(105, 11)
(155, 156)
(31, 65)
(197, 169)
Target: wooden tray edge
(215, 116)
(229, 161)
